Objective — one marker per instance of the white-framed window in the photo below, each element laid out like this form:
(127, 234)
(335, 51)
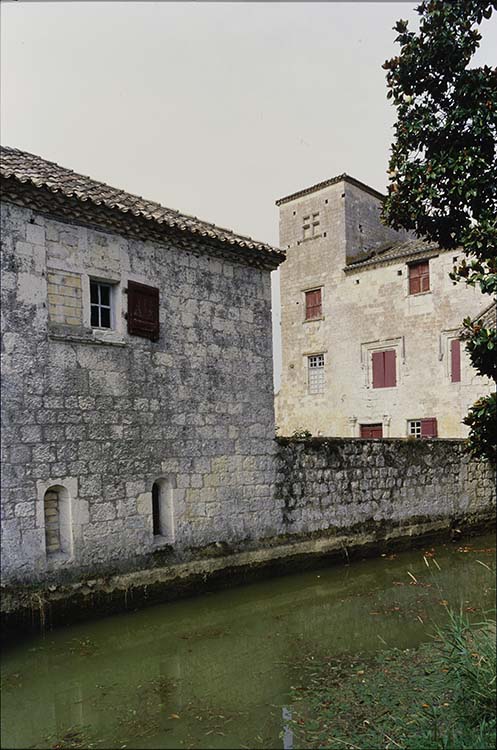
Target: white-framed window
(315, 373)
(414, 428)
(101, 300)
(422, 428)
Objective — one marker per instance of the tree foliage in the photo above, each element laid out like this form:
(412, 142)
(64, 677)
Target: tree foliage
(443, 168)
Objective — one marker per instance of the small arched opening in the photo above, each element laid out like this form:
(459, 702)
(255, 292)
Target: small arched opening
(58, 521)
(163, 510)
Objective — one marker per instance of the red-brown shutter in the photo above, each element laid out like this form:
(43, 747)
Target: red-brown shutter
(143, 310)
(313, 304)
(429, 427)
(419, 277)
(390, 369)
(425, 279)
(455, 360)
(414, 285)
(371, 430)
(378, 370)
(384, 369)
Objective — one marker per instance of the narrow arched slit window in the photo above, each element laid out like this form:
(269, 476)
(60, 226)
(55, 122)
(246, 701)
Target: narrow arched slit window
(58, 524)
(162, 510)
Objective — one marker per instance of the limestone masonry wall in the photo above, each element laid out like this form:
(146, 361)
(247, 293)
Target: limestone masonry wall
(94, 421)
(92, 418)
(337, 484)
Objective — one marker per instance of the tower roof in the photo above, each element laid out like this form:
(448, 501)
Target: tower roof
(332, 181)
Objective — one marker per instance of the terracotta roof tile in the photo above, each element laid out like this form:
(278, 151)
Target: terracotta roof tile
(488, 317)
(30, 168)
(392, 251)
(326, 183)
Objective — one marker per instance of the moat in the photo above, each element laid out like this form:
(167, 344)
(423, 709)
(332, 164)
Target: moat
(215, 671)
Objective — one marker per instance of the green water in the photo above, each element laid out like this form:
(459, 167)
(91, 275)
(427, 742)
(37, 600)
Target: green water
(215, 671)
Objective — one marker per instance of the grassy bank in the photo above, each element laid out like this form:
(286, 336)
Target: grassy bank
(440, 696)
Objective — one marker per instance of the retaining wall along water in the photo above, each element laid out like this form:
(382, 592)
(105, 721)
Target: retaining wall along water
(334, 498)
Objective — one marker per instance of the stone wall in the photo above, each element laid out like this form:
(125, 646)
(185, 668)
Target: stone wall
(381, 487)
(332, 500)
(98, 416)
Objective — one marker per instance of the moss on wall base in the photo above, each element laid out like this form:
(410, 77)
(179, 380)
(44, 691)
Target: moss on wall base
(29, 609)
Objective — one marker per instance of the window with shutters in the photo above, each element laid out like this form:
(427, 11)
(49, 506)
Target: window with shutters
(455, 361)
(101, 304)
(384, 369)
(143, 310)
(422, 428)
(313, 304)
(315, 374)
(419, 277)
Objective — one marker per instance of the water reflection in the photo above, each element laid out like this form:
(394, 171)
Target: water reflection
(214, 672)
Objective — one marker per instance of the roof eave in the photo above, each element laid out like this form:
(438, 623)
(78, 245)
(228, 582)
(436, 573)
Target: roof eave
(327, 183)
(87, 212)
(379, 261)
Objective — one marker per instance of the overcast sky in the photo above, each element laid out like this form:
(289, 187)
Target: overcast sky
(215, 109)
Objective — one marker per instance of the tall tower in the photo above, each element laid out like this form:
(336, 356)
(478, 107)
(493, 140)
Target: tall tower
(323, 228)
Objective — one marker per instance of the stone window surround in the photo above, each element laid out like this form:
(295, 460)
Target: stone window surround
(78, 515)
(355, 423)
(321, 381)
(110, 336)
(407, 266)
(369, 347)
(312, 224)
(445, 340)
(144, 506)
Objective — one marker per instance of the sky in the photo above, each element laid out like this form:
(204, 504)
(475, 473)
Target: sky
(214, 109)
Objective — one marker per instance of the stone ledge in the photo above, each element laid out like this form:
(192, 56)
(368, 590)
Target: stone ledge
(31, 608)
(75, 339)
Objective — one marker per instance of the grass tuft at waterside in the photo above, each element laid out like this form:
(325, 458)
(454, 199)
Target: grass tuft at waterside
(440, 696)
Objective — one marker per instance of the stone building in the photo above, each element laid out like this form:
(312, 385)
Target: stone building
(137, 377)
(370, 322)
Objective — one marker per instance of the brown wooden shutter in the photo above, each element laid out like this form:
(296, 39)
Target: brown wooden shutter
(414, 283)
(455, 361)
(313, 304)
(378, 370)
(429, 428)
(143, 310)
(390, 369)
(371, 430)
(419, 277)
(384, 369)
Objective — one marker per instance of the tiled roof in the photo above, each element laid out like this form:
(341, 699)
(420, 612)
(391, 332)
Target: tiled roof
(488, 317)
(326, 183)
(392, 251)
(36, 171)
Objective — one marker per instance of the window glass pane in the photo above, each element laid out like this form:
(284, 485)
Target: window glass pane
(104, 294)
(105, 317)
(316, 381)
(94, 315)
(93, 292)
